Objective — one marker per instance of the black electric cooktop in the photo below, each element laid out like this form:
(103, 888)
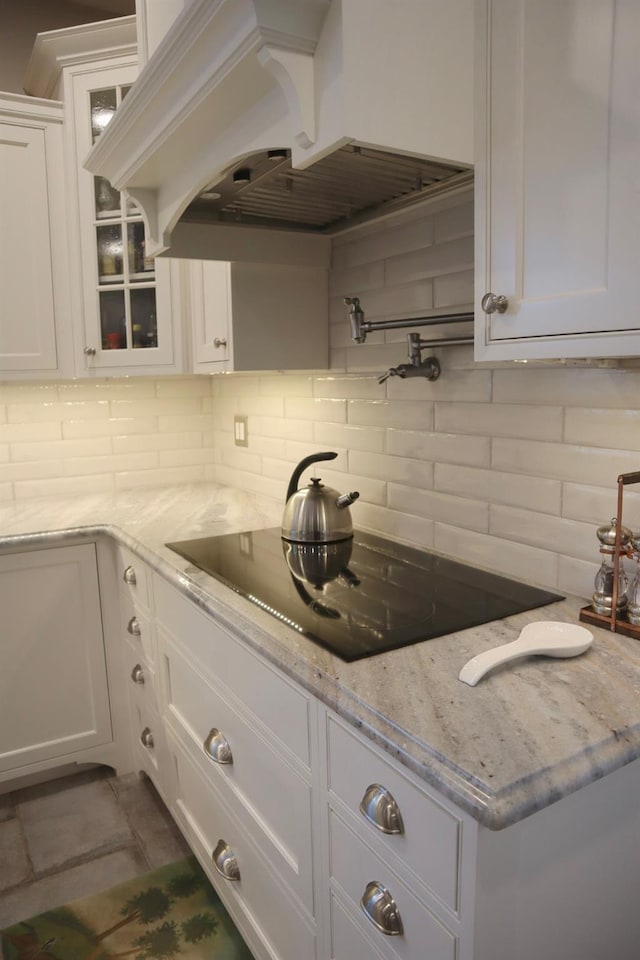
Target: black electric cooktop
(363, 596)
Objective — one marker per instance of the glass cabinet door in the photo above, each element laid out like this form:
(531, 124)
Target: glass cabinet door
(119, 277)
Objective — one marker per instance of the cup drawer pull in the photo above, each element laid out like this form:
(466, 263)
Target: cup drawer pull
(129, 576)
(381, 909)
(380, 809)
(217, 748)
(133, 627)
(225, 862)
(146, 738)
(137, 674)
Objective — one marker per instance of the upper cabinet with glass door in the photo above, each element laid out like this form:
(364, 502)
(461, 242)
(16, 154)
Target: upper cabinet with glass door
(125, 303)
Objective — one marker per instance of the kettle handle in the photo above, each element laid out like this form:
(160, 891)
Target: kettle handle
(302, 466)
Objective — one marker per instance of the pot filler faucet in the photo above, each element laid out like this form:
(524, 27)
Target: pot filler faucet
(416, 367)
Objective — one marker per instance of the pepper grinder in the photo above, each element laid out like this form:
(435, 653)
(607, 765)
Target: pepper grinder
(633, 604)
(603, 596)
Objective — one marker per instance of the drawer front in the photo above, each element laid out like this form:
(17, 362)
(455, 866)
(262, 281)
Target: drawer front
(353, 866)
(276, 798)
(258, 895)
(273, 699)
(136, 628)
(348, 941)
(149, 743)
(134, 578)
(430, 844)
(140, 678)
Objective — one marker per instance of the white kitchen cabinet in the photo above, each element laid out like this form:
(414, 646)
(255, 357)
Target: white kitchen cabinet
(248, 316)
(34, 299)
(557, 178)
(126, 306)
(54, 701)
(241, 742)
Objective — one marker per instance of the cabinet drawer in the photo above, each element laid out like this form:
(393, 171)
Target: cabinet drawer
(140, 678)
(432, 836)
(258, 895)
(136, 628)
(353, 866)
(149, 742)
(348, 941)
(251, 773)
(134, 578)
(268, 695)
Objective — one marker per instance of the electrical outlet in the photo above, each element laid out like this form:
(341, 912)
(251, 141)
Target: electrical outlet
(241, 430)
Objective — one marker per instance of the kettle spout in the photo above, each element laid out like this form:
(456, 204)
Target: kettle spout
(347, 499)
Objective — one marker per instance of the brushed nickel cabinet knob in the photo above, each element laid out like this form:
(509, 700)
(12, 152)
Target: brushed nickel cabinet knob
(494, 303)
(129, 576)
(133, 627)
(137, 674)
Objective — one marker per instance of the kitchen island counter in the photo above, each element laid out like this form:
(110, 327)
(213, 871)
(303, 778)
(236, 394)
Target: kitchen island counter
(527, 735)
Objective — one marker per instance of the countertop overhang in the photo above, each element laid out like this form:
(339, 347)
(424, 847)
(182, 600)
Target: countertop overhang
(526, 736)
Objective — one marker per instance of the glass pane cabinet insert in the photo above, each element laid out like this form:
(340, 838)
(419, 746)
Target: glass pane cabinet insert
(125, 274)
(123, 325)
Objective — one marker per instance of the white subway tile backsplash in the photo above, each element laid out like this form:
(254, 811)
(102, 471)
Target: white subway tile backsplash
(435, 261)
(454, 290)
(406, 299)
(115, 426)
(599, 466)
(453, 385)
(412, 530)
(284, 385)
(349, 387)
(440, 507)
(510, 489)
(414, 473)
(576, 577)
(453, 223)
(500, 420)
(597, 505)
(521, 561)
(65, 487)
(61, 449)
(354, 281)
(447, 447)
(603, 428)
(167, 476)
(59, 412)
(572, 538)
(349, 437)
(384, 413)
(306, 408)
(30, 432)
(567, 386)
(367, 247)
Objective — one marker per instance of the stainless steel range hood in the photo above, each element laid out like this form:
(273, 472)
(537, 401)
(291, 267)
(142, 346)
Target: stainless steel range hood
(305, 117)
(350, 186)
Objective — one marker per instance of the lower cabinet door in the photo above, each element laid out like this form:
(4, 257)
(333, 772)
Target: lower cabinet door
(255, 896)
(53, 683)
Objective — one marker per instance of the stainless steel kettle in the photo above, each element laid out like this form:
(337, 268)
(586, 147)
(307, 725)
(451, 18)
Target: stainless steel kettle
(316, 514)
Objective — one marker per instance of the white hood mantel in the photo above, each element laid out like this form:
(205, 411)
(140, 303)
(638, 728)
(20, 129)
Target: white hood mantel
(236, 78)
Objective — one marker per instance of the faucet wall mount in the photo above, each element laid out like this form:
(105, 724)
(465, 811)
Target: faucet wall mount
(416, 367)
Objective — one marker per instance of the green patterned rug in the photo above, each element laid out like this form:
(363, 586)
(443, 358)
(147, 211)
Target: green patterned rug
(173, 912)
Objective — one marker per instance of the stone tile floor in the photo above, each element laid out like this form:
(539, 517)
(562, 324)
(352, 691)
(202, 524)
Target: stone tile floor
(78, 835)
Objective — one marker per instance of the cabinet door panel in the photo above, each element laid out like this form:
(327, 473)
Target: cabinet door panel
(27, 334)
(557, 220)
(53, 686)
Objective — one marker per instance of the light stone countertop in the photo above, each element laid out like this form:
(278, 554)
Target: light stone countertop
(528, 734)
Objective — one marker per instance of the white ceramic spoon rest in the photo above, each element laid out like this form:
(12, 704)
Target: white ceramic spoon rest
(547, 638)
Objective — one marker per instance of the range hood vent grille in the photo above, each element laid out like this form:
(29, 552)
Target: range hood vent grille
(352, 185)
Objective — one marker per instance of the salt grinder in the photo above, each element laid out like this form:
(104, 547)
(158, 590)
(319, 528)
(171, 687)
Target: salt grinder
(603, 596)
